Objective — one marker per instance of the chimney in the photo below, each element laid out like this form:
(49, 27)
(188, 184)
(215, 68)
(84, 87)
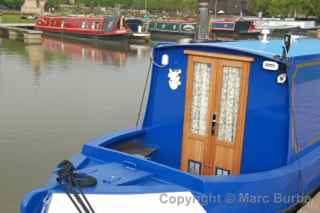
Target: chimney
(203, 25)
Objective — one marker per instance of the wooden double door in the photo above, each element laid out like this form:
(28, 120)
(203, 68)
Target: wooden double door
(215, 110)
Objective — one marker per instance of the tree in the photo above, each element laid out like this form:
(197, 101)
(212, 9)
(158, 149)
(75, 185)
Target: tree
(140, 4)
(278, 8)
(312, 7)
(287, 8)
(13, 4)
(256, 6)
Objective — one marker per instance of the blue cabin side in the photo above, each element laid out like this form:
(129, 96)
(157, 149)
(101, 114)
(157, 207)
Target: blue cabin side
(304, 75)
(267, 116)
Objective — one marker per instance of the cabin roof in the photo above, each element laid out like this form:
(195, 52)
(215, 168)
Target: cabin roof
(299, 47)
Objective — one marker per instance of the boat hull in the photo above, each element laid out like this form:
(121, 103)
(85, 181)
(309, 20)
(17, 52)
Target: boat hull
(98, 38)
(270, 191)
(140, 38)
(168, 36)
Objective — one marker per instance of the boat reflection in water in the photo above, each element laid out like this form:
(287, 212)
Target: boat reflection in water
(114, 55)
(64, 51)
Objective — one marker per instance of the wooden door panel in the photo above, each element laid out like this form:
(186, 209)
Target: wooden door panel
(215, 109)
(231, 109)
(197, 127)
(224, 157)
(196, 150)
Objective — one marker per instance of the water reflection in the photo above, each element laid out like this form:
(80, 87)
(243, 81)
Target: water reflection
(1, 64)
(36, 57)
(56, 96)
(61, 51)
(116, 55)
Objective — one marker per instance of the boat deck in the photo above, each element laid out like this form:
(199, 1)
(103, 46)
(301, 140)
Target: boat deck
(134, 148)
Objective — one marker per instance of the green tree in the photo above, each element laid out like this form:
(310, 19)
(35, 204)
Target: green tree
(140, 4)
(13, 4)
(312, 7)
(278, 8)
(256, 6)
(290, 8)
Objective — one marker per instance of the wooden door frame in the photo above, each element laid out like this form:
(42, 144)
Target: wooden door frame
(217, 61)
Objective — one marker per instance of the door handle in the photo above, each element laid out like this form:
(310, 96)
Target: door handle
(213, 123)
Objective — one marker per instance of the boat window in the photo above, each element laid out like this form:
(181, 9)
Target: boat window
(200, 100)
(109, 23)
(229, 103)
(305, 127)
(194, 167)
(222, 172)
(93, 25)
(243, 26)
(84, 25)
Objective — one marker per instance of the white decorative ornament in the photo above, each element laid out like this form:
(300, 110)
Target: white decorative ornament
(174, 79)
(270, 65)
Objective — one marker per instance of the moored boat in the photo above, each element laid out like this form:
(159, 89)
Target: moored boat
(103, 28)
(172, 29)
(139, 28)
(233, 29)
(231, 126)
(220, 29)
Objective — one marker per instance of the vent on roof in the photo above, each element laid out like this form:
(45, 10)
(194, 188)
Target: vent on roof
(265, 35)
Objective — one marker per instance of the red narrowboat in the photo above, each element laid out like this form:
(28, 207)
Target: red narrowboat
(106, 28)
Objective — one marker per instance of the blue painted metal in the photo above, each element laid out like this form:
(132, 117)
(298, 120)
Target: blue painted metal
(279, 118)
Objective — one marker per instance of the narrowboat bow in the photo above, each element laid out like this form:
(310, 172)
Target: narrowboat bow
(229, 127)
(103, 28)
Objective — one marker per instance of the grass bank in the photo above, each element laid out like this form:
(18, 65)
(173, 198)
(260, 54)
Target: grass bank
(14, 18)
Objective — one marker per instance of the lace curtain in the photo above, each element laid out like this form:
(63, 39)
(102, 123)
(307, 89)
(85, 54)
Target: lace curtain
(229, 104)
(200, 99)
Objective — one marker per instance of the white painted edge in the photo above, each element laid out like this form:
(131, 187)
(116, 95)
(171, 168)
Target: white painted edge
(143, 203)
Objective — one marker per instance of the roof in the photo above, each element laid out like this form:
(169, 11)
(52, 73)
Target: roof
(299, 47)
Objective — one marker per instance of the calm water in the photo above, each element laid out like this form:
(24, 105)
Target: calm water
(56, 96)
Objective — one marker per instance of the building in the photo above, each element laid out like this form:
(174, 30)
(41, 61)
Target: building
(34, 6)
(229, 7)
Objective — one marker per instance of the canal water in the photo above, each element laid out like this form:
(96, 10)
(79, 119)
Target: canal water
(55, 97)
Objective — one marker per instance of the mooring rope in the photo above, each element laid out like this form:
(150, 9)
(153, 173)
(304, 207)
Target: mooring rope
(144, 92)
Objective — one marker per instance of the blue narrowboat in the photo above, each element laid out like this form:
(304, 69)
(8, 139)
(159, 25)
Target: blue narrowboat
(229, 127)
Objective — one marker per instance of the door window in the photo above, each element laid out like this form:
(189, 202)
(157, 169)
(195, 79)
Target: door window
(229, 104)
(200, 99)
